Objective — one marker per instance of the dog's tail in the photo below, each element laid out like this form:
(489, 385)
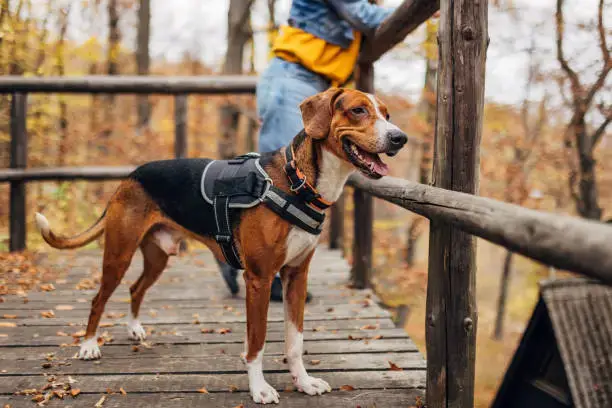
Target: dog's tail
(76, 241)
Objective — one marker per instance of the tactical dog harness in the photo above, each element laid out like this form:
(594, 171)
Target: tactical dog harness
(242, 183)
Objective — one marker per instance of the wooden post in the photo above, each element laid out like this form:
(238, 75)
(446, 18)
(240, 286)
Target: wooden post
(451, 315)
(364, 206)
(180, 126)
(19, 160)
(336, 226)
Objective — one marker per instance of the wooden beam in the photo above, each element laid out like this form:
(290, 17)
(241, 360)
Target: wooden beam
(130, 84)
(91, 173)
(336, 225)
(404, 20)
(19, 160)
(567, 243)
(363, 221)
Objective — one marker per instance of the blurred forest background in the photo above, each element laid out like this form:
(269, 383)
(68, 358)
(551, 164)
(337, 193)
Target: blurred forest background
(545, 143)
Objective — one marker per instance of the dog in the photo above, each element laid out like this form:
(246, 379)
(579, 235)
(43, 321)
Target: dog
(160, 204)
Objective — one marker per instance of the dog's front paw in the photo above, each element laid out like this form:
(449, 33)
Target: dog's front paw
(136, 331)
(263, 393)
(311, 385)
(89, 350)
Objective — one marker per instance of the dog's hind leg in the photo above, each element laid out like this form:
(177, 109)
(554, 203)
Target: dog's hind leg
(294, 287)
(125, 228)
(155, 261)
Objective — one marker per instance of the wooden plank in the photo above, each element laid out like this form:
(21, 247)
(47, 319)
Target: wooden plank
(451, 299)
(336, 225)
(19, 160)
(91, 173)
(116, 325)
(357, 398)
(172, 335)
(213, 84)
(162, 299)
(363, 213)
(210, 364)
(156, 350)
(161, 315)
(190, 383)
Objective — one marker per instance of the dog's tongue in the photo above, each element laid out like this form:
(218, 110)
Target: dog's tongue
(380, 167)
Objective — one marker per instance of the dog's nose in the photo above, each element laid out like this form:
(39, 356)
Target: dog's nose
(398, 138)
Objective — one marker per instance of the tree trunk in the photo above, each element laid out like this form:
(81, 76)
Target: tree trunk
(143, 60)
(61, 71)
(238, 34)
(503, 296)
(114, 38)
(587, 203)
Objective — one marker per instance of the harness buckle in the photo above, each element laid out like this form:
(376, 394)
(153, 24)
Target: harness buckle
(298, 188)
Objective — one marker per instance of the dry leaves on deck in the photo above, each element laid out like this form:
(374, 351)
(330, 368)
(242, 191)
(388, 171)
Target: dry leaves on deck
(347, 388)
(203, 390)
(394, 367)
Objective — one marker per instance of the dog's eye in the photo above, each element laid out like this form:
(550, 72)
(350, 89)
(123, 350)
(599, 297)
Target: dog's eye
(358, 111)
(387, 117)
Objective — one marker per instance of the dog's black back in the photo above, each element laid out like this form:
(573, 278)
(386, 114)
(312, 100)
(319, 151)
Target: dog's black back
(174, 185)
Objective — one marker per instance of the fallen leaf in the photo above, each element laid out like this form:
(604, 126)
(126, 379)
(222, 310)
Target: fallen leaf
(100, 402)
(206, 330)
(122, 391)
(233, 388)
(46, 365)
(74, 392)
(239, 406)
(315, 362)
(38, 398)
(135, 349)
(377, 337)
(394, 367)
(351, 337)
(203, 390)
(80, 333)
(223, 330)
(59, 394)
(369, 327)
(330, 309)
(347, 388)
(48, 314)
(7, 324)
(47, 287)
(106, 325)
(64, 307)
(9, 316)
(318, 328)
(62, 334)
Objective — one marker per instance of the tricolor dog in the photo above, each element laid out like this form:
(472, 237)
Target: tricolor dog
(261, 213)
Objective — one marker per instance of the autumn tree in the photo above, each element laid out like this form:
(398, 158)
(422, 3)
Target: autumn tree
(238, 35)
(585, 101)
(533, 119)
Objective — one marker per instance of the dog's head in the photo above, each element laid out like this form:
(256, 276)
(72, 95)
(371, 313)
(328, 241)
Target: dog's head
(354, 126)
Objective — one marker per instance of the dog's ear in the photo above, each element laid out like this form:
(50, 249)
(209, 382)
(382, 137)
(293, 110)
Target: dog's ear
(317, 112)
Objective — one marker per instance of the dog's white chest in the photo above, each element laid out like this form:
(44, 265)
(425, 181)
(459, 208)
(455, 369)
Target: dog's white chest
(299, 245)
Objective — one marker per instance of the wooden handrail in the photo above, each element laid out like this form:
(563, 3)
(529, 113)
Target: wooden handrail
(404, 20)
(130, 84)
(91, 173)
(565, 242)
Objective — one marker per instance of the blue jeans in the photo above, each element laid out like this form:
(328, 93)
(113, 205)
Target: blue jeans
(280, 90)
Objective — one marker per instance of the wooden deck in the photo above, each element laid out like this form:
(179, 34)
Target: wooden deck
(349, 339)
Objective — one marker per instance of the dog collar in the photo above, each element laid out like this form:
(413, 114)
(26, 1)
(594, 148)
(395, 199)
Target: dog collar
(299, 183)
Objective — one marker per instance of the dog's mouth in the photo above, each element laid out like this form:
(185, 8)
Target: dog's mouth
(368, 163)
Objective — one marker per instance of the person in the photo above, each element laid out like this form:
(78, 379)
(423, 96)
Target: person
(316, 49)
